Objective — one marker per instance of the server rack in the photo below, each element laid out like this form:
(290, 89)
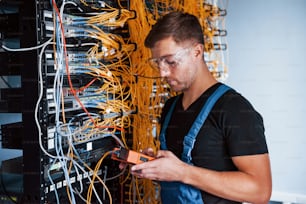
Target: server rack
(43, 176)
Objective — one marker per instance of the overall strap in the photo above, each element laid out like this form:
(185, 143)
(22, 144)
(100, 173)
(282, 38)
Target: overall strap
(190, 138)
(176, 192)
(204, 113)
(162, 135)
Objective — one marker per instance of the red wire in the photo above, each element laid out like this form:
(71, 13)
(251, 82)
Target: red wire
(87, 85)
(73, 91)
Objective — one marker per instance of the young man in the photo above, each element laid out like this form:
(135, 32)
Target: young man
(228, 161)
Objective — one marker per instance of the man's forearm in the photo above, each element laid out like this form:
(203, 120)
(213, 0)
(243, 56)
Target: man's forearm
(235, 185)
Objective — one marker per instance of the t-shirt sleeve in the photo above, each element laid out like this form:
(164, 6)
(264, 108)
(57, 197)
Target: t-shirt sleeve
(243, 128)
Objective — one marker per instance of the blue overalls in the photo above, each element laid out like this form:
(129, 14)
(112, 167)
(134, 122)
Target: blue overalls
(177, 192)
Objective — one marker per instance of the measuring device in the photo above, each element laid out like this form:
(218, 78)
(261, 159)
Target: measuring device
(129, 156)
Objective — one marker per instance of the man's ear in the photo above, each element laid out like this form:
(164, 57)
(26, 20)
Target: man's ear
(198, 50)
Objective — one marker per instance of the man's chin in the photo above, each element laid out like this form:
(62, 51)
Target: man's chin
(175, 88)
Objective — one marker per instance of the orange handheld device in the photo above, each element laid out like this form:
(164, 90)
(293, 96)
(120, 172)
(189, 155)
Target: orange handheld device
(129, 156)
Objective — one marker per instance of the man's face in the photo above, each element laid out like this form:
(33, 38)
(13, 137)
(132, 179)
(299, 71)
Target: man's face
(174, 63)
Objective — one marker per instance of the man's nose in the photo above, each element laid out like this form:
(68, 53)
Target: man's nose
(164, 71)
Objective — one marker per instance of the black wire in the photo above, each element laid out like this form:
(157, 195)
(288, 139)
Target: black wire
(6, 82)
(148, 77)
(4, 189)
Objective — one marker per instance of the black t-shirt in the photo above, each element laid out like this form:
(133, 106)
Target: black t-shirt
(233, 128)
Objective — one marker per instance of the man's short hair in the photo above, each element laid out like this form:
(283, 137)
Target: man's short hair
(178, 25)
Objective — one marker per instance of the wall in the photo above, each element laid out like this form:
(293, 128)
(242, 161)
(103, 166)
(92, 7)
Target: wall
(267, 64)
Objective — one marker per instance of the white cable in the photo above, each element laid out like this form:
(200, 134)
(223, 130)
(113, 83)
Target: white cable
(25, 49)
(41, 88)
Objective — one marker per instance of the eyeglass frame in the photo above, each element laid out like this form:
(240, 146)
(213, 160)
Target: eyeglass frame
(155, 63)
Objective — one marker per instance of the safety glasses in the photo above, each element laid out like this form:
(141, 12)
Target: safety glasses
(169, 61)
